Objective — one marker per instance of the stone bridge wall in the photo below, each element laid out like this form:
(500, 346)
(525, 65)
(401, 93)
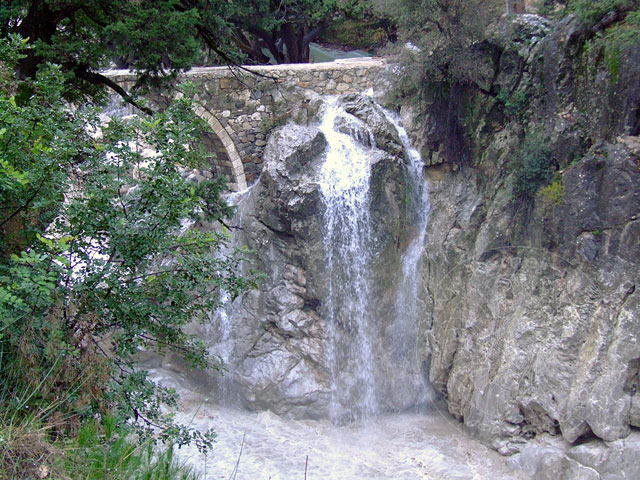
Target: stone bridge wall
(242, 105)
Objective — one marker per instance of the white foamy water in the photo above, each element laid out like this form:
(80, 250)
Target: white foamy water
(344, 185)
(407, 304)
(398, 447)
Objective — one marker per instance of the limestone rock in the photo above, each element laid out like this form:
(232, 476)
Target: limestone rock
(549, 458)
(533, 308)
(364, 108)
(278, 359)
(542, 340)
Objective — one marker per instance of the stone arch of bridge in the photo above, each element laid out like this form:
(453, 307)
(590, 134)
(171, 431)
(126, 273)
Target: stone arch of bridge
(228, 161)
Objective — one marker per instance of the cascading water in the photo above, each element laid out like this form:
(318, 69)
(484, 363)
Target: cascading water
(367, 345)
(405, 328)
(361, 375)
(345, 189)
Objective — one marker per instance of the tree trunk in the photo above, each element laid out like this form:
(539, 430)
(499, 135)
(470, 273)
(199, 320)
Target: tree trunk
(39, 24)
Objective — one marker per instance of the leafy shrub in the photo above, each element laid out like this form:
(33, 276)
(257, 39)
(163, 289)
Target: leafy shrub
(552, 195)
(620, 38)
(592, 11)
(439, 42)
(102, 451)
(549, 8)
(95, 259)
(534, 167)
(515, 103)
(365, 34)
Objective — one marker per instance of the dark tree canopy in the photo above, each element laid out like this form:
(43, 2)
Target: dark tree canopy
(443, 37)
(156, 38)
(160, 38)
(283, 29)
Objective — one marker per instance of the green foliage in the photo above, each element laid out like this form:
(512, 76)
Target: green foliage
(611, 44)
(620, 38)
(101, 450)
(552, 195)
(280, 31)
(548, 8)
(96, 260)
(360, 26)
(156, 38)
(613, 26)
(533, 168)
(515, 103)
(356, 34)
(443, 37)
(592, 11)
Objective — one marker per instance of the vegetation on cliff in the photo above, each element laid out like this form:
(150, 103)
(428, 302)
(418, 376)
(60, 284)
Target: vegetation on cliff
(464, 62)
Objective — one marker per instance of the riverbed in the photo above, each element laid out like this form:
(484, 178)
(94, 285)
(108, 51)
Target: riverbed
(401, 446)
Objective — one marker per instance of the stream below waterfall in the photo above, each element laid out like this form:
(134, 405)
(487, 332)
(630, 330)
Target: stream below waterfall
(401, 446)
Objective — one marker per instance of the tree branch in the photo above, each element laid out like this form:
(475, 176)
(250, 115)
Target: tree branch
(82, 72)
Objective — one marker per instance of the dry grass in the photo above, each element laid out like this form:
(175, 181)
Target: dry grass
(26, 453)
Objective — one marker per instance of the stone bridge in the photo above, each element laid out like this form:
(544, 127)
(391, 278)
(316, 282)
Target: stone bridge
(242, 104)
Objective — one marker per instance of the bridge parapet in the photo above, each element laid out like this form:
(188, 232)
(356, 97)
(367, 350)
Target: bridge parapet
(242, 105)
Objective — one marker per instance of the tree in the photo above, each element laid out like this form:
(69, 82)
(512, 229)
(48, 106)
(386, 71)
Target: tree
(444, 35)
(285, 28)
(96, 261)
(445, 61)
(155, 38)
(161, 38)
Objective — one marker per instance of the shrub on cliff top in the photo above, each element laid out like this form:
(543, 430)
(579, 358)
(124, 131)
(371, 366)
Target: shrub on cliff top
(442, 40)
(593, 11)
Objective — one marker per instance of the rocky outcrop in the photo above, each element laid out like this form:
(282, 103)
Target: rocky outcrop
(280, 332)
(547, 458)
(536, 331)
(534, 315)
(278, 356)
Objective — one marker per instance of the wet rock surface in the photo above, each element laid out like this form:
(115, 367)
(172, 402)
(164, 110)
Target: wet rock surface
(279, 357)
(534, 313)
(542, 335)
(548, 458)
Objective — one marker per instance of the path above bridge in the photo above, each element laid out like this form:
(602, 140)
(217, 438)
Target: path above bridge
(242, 104)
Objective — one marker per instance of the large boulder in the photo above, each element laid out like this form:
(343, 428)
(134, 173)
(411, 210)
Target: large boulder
(280, 332)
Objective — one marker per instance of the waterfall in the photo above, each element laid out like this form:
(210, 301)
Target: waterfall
(405, 328)
(224, 349)
(345, 189)
(363, 374)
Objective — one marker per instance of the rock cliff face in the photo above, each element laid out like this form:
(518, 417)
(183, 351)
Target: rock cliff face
(534, 312)
(537, 331)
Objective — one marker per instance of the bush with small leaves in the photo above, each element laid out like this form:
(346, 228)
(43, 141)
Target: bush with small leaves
(534, 167)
